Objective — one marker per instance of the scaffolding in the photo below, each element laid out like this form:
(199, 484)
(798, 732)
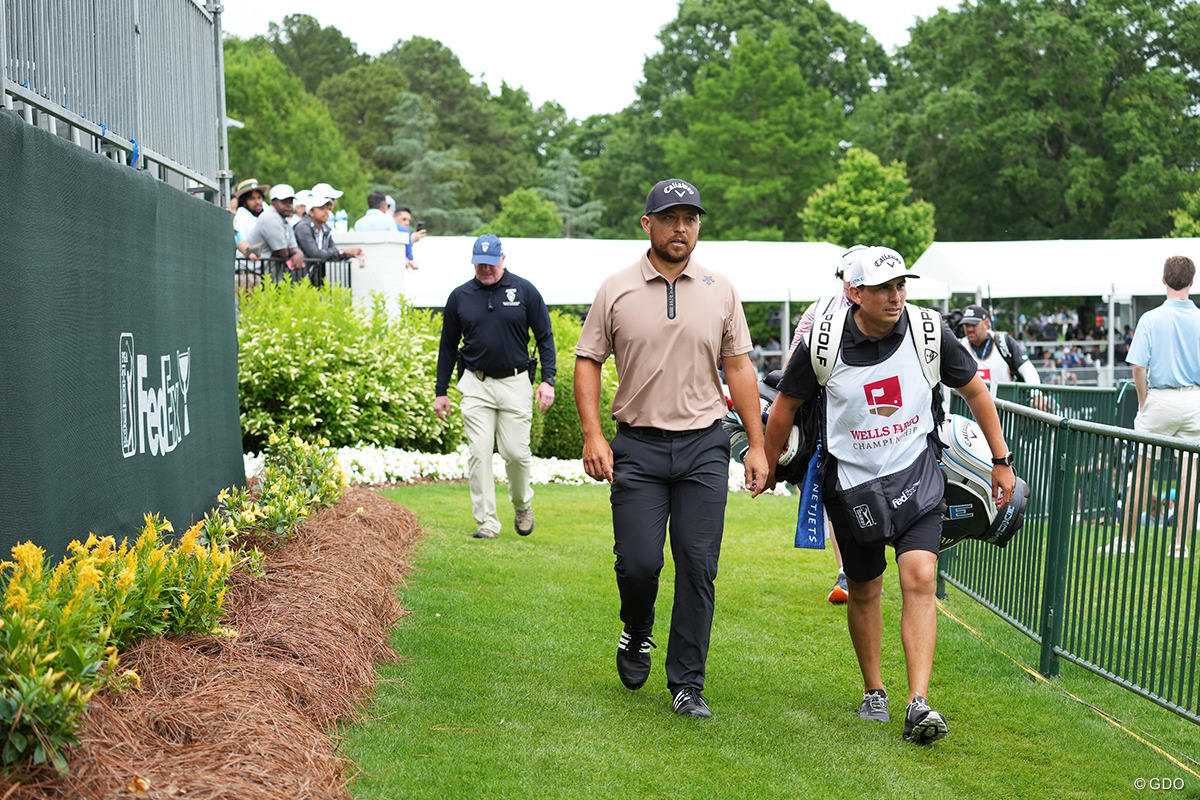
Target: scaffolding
(138, 81)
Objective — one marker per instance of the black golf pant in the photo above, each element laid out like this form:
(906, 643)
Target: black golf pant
(683, 480)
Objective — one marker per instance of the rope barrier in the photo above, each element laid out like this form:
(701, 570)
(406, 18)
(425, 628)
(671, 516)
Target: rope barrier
(1109, 717)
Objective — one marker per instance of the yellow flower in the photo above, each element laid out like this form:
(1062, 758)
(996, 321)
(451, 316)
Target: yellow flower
(184, 599)
(187, 545)
(132, 677)
(89, 577)
(16, 598)
(125, 579)
(29, 558)
(60, 572)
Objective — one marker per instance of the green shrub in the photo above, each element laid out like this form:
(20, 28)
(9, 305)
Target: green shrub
(558, 431)
(313, 362)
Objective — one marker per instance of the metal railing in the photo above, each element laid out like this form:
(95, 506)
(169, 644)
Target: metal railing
(1103, 573)
(1116, 405)
(140, 82)
(249, 273)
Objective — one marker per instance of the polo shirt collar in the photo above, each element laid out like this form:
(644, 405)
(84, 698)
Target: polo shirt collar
(649, 273)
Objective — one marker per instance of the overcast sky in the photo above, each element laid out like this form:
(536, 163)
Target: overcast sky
(586, 58)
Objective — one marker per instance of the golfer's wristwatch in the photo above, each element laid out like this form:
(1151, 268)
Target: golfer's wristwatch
(1007, 461)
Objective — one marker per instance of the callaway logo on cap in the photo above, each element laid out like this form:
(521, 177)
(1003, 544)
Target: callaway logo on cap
(672, 192)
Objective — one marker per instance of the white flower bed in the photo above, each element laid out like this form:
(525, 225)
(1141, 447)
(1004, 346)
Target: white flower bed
(371, 465)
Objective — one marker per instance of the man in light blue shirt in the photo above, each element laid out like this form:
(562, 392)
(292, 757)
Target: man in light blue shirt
(377, 218)
(1165, 354)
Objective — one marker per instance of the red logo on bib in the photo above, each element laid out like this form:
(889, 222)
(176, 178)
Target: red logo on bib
(883, 396)
(985, 373)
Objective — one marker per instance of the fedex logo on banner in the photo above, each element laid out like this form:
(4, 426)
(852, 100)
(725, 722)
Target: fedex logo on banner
(153, 407)
(883, 396)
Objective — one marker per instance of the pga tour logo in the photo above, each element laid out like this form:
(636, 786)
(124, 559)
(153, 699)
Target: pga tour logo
(154, 418)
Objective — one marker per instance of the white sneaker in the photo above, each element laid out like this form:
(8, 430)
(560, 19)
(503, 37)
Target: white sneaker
(1117, 546)
(1181, 551)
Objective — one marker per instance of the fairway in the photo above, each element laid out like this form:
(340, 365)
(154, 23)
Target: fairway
(508, 687)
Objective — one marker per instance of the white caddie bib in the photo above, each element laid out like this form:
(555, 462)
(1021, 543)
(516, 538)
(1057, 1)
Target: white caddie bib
(878, 418)
(992, 367)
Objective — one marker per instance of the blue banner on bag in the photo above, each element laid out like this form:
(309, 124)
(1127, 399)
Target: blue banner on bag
(810, 521)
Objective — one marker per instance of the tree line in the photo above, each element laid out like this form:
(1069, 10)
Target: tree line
(999, 120)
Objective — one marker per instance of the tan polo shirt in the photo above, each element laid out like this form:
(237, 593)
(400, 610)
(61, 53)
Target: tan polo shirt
(667, 359)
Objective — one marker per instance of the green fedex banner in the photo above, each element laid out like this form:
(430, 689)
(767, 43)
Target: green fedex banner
(118, 347)
(154, 418)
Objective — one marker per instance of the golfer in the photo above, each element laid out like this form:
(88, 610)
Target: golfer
(671, 325)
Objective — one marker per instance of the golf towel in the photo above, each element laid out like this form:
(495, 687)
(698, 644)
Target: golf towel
(810, 521)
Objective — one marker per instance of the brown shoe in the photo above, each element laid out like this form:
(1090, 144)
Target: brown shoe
(524, 521)
(484, 533)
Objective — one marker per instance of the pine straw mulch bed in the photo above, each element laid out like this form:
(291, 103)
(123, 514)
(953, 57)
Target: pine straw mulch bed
(249, 718)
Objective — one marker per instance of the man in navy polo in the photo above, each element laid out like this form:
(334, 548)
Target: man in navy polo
(492, 315)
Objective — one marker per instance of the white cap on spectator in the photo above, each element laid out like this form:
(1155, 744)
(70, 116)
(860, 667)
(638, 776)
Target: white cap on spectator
(325, 190)
(304, 198)
(282, 191)
(316, 201)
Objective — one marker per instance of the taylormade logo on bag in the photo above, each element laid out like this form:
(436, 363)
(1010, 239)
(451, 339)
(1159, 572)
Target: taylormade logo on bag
(153, 418)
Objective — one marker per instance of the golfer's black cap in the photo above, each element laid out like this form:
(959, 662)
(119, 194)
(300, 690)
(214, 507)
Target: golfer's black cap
(673, 192)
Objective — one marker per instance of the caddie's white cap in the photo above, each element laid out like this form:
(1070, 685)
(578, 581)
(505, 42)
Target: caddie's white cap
(877, 266)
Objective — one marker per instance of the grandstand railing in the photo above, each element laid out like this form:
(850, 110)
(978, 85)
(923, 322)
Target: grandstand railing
(250, 273)
(139, 82)
(1093, 576)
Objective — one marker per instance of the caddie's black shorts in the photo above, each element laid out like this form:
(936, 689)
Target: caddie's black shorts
(864, 564)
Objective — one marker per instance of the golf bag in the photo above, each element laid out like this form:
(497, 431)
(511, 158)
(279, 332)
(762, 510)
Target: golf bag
(970, 511)
(802, 440)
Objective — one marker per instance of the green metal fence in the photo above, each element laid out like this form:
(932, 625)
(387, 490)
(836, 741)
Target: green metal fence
(1103, 571)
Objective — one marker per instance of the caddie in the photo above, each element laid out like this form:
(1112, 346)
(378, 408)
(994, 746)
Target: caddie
(872, 367)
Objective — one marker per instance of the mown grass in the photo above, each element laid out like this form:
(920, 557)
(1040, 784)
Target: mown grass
(508, 686)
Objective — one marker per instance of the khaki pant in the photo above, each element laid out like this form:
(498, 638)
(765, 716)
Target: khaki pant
(496, 415)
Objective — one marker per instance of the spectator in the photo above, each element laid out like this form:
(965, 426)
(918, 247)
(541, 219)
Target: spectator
(277, 237)
(403, 220)
(248, 202)
(300, 207)
(315, 237)
(1166, 372)
(376, 219)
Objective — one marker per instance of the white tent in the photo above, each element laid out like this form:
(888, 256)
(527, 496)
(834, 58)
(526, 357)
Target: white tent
(570, 271)
(1084, 267)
